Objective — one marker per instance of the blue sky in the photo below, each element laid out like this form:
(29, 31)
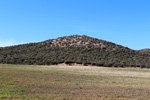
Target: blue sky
(125, 22)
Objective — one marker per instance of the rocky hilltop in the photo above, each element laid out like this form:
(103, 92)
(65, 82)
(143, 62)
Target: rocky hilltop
(78, 41)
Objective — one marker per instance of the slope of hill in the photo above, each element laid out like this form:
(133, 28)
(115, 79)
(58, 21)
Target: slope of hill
(147, 51)
(74, 49)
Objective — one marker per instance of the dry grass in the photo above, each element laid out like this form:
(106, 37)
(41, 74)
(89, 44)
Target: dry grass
(63, 82)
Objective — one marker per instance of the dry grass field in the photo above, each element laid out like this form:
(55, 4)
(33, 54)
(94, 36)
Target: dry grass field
(62, 82)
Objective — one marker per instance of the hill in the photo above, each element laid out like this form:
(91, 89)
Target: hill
(147, 51)
(74, 49)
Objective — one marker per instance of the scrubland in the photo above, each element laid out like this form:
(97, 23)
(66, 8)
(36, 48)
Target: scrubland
(63, 82)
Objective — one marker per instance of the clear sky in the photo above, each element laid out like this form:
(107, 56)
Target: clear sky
(125, 22)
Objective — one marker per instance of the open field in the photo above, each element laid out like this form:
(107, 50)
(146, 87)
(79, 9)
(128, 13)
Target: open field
(61, 82)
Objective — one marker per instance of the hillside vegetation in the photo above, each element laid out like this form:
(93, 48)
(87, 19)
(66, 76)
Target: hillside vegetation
(74, 49)
(146, 51)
